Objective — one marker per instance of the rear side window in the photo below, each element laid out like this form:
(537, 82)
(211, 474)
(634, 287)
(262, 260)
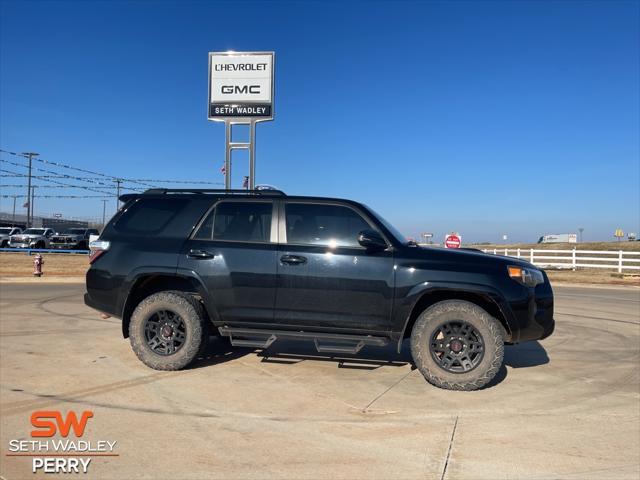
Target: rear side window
(330, 225)
(149, 216)
(238, 221)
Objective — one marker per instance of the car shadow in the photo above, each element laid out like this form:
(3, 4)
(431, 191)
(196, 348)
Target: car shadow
(523, 355)
(218, 350)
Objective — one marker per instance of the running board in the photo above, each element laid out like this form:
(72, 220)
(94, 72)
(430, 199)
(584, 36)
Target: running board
(324, 342)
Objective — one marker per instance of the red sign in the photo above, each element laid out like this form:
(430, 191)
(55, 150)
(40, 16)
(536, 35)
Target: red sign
(452, 241)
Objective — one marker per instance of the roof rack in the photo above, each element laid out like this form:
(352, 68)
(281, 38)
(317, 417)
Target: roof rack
(164, 191)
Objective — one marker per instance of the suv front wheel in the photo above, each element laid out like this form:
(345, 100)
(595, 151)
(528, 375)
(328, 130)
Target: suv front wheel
(457, 345)
(168, 330)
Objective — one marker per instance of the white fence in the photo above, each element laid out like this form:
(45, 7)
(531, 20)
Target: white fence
(619, 260)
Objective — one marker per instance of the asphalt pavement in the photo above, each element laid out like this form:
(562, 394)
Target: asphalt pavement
(565, 407)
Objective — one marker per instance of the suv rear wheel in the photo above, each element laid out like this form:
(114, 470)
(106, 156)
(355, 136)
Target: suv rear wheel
(168, 330)
(457, 345)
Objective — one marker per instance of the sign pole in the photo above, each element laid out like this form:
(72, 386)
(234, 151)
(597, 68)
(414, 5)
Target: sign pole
(252, 155)
(227, 156)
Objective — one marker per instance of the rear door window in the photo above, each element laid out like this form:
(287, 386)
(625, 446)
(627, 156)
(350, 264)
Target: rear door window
(238, 221)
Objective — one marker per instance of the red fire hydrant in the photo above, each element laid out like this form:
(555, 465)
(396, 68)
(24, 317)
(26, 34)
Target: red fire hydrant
(38, 261)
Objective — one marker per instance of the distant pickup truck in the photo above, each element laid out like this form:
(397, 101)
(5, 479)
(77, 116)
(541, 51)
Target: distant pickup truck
(31, 238)
(559, 238)
(5, 234)
(73, 239)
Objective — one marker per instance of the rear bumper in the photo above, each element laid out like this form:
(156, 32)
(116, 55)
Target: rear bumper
(88, 301)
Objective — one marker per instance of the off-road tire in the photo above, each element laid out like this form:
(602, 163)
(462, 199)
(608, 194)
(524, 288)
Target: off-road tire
(492, 333)
(197, 329)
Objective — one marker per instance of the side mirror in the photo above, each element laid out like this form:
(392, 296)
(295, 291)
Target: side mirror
(371, 240)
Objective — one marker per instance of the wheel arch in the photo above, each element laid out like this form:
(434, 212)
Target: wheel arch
(151, 283)
(482, 299)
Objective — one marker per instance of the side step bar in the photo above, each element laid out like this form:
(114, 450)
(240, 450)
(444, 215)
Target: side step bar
(324, 342)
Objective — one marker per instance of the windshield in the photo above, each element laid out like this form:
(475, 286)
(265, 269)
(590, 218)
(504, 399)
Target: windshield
(5, 231)
(393, 230)
(34, 231)
(74, 231)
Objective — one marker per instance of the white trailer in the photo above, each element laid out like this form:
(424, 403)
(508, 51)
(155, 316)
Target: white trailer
(559, 238)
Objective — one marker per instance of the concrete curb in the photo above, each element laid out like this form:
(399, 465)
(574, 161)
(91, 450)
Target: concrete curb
(595, 285)
(43, 279)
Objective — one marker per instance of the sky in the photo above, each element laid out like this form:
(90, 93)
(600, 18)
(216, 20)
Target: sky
(485, 118)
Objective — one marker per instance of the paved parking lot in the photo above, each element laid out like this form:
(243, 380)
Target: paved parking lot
(566, 407)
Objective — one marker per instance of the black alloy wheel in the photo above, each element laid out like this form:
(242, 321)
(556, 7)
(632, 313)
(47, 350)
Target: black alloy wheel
(456, 346)
(165, 332)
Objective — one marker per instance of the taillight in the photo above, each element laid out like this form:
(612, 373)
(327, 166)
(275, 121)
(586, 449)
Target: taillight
(97, 248)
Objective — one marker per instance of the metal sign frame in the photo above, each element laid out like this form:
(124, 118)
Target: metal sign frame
(230, 121)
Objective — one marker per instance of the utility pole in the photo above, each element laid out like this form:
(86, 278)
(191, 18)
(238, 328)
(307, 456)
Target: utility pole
(30, 156)
(118, 183)
(104, 206)
(33, 191)
(13, 217)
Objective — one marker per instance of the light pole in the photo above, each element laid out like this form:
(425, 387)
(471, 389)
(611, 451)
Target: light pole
(30, 156)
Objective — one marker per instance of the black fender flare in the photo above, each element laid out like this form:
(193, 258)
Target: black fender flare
(451, 290)
(139, 274)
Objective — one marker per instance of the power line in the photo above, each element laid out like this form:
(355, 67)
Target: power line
(49, 171)
(62, 165)
(66, 184)
(57, 196)
(113, 178)
(187, 182)
(18, 185)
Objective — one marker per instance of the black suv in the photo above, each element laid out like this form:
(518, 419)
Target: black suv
(260, 266)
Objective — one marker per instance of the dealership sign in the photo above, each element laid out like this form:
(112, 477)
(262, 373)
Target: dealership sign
(241, 85)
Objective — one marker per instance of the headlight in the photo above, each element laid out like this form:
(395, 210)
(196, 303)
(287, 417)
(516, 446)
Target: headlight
(526, 276)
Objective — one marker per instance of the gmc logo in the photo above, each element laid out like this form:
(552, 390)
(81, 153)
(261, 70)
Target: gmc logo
(231, 89)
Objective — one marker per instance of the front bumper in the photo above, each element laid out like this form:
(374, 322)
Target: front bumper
(64, 246)
(21, 245)
(532, 313)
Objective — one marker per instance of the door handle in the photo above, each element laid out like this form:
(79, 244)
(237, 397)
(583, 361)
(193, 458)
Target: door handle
(293, 259)
(199, 254)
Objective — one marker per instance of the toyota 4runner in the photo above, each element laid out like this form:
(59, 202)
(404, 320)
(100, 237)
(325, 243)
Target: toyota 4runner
(258, 266)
